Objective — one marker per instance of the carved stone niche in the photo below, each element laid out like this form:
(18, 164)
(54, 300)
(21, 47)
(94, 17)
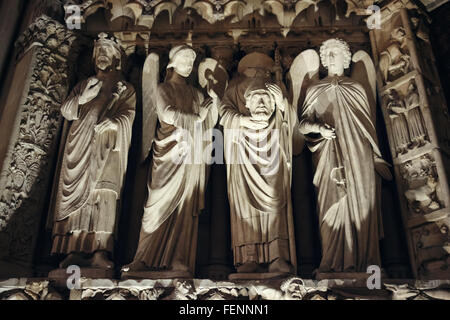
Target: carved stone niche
(432, 249)
(394, 58)
(405, 110)
(30, 124)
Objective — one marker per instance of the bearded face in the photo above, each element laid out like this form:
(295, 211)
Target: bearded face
(104, 56)
(261, 105)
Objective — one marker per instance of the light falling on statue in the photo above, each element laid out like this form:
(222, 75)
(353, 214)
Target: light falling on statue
(100, 111)
(176, 189)
(258, 125)
(339, 124)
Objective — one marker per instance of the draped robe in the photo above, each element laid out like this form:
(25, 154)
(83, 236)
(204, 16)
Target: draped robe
(92, 171)
(347, 186)
(176, 188)
(258, 186)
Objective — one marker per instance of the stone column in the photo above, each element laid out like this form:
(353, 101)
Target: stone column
(417, 122)
(30, 127)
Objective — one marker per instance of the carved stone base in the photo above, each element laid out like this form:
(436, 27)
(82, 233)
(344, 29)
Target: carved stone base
(259, 276)
(156, 275)
(59, 276)
(346, 275)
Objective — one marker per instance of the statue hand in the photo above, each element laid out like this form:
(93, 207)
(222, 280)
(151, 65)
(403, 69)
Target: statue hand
(204, 109)
(91, 91)
(278, 95)
(212, 93)
(106, 125)
(327, 132)
(250, 123)
(382, 168)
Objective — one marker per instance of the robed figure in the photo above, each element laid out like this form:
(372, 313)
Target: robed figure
(258, 125)
(99, 113)
(338, 120)
(178, 173)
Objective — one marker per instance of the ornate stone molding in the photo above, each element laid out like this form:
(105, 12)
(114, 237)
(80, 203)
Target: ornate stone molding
(144, 12)
(290, 289)
(26, 172)
(416, 119)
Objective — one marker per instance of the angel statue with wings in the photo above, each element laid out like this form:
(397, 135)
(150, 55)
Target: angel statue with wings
(182, 118)
(338, 121)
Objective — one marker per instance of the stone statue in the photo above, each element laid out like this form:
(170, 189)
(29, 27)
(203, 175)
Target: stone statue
(338, 121)
(258, 126)
(415, 119)
(394, 61)
(100, 113)
(177, 182)
(397, 113)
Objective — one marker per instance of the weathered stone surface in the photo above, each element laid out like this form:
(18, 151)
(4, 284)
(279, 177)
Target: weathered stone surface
(197, 289)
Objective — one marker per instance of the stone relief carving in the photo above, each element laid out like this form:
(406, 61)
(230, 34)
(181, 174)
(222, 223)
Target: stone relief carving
(27, 174)
(395, 60)
(431, 248)
(290, 289)
(397, 113)
(338, 115)
(416, 124)
(422, 185)
(408, 126)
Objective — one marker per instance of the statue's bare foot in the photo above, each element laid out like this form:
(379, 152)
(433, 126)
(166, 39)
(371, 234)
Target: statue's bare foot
(134, 266)
(76, 259)
(281, 265)
(250, 267)
(101, 260)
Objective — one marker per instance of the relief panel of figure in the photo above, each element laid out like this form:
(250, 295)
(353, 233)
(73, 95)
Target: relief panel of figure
(415, 119)
(394, 61)
(397, 113)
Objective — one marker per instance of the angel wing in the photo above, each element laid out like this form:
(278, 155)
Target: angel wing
(363, 71)
(150, 80)
(304, 70)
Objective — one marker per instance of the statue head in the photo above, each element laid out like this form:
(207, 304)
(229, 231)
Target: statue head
(294, 288)
(335, 56)
(259, 100)
(398, 34)
(182, 60)
(411, 87)
(107, 53)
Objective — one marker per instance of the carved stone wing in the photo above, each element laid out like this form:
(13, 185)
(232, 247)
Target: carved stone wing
(150, 79)
(304, 70)
(363, 71)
